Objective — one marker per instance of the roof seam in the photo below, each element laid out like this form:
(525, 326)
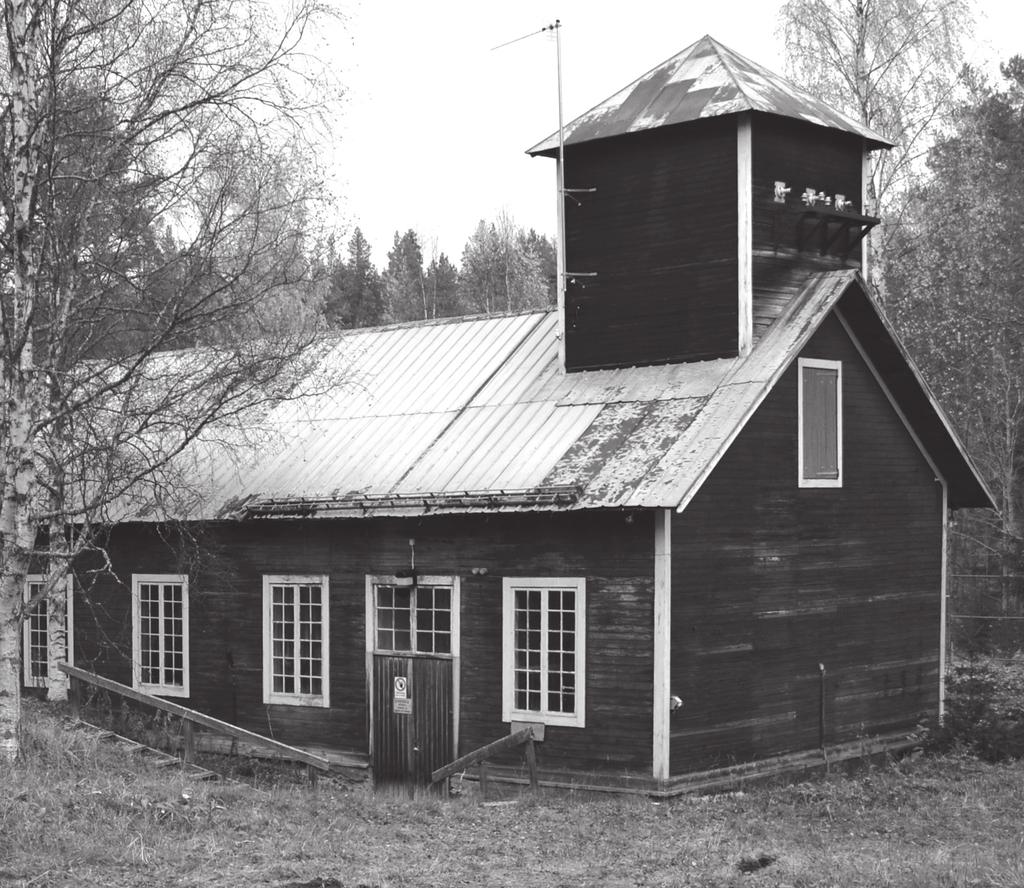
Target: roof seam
(498, 366)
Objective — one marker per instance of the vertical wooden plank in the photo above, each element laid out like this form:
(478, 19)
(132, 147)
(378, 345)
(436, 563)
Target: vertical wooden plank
(942, 601)
(865, 179)
(531, 763)
(662, 642)
(369, 626)
(745, 233)
(408, 723)
(483, 779)
(456, 674)
(189, 737)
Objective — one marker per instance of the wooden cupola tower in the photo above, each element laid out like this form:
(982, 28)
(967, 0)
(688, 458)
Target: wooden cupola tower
(697, 201)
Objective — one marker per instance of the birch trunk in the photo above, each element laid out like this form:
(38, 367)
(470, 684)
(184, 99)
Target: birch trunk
(21, 387)
(58, 590)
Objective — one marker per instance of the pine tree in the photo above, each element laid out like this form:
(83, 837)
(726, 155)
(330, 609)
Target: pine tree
(354, 297)
(405, 297)
(442, 286)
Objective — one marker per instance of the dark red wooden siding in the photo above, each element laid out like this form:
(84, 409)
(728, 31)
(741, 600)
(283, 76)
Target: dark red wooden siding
(226, 620)
(660, 234)
(769, 580)
(803, 156)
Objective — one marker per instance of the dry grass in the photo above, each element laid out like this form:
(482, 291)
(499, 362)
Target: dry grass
(78, 812)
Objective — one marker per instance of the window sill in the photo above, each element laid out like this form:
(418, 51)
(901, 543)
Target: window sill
(545, 718)
(162, 691)
(821, 482)
(296, 700)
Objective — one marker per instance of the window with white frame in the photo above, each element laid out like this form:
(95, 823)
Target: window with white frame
(36, 636)
(820, 423)
(36, 633)
(160, 634)
(296, 648)
(413, 618)
(544, 650)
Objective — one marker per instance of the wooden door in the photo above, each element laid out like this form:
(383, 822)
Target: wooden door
(413, 718)
(412, 654)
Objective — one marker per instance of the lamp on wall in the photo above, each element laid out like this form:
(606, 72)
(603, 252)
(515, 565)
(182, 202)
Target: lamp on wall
(408, 577)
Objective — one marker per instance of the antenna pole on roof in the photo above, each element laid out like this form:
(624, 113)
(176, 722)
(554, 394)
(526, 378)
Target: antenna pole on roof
(556, 27)
(560, 189)
(560, 245)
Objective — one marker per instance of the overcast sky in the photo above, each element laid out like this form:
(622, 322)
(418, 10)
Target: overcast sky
(435, 124)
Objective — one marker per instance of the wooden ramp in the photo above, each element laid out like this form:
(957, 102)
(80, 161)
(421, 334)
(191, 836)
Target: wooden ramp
(157, 757)
(190, 718)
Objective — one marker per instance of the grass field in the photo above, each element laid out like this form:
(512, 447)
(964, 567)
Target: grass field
(76, 811)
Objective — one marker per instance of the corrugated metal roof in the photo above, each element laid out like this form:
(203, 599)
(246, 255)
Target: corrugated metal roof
(475, 414)
(704, 80)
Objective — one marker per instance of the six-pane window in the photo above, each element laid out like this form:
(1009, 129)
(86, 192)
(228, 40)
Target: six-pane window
(820, 423)
(414, 618)
(160, 623)
(295, 643)
(544, 650)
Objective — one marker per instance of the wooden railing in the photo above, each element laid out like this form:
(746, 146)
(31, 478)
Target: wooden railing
(190, 718)
(523, 737)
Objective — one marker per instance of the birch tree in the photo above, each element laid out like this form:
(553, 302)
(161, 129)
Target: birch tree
(156, 198)
(503, 269)
(894, 65)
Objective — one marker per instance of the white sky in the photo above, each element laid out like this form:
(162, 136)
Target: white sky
(435, 124)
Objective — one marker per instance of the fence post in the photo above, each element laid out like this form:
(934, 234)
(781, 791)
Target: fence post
(531, 764)
(75, 697)
(189, 736)
(483, 780)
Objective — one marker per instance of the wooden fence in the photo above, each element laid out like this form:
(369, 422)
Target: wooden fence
(986, 614)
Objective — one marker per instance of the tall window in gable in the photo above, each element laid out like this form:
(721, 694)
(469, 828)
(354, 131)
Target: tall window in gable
(295, 640)
(820, 435)
(160, 634)
(544, 651)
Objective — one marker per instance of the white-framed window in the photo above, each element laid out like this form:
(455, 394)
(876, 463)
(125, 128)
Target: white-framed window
(160, 634)
(544, 650)
(35, 631)
(421, 618)
(820, 423)
(296, 640)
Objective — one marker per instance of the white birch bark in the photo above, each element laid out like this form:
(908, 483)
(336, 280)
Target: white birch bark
(20, 384)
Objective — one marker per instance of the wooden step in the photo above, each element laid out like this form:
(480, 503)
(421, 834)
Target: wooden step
(158, 757)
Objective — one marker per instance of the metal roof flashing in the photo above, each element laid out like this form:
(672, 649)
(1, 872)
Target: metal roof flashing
(704, 80)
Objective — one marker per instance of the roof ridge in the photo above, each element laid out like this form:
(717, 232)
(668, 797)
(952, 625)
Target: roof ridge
(725, 54)
(705, 79)
(628, 87)
(437, 322)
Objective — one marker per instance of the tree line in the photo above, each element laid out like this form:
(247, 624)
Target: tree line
(503, 268)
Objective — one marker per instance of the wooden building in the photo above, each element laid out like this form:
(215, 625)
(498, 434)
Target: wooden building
(695, 518)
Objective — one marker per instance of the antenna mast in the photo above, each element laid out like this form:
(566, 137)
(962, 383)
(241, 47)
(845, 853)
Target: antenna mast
(560, 173)
(560, 272)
